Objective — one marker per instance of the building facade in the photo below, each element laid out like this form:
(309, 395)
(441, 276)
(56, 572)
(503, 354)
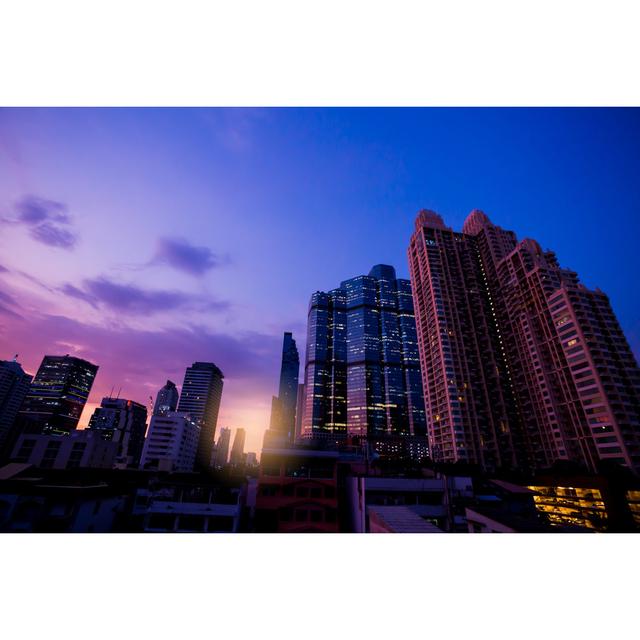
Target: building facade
(200, 398)
(522, 365)
(81, 448)
(172, 443)
(14, 385)
(125, 422)
(57, 395)
(362, 372)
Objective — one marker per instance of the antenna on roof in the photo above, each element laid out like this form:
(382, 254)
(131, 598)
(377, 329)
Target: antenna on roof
(119, 390)
(15, 358)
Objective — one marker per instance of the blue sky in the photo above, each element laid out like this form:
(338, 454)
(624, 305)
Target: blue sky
(147, 238)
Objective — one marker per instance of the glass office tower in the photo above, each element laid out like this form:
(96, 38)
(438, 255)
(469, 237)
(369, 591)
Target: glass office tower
(57, 395)
(362, 372)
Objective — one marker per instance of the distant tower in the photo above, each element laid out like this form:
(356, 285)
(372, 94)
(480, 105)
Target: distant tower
(14, 385)
(57, 395)
(221, 454)
(167, 399)
(200, 398)
(237, 451)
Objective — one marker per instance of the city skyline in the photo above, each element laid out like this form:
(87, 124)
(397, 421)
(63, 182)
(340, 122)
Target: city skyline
(127, 273)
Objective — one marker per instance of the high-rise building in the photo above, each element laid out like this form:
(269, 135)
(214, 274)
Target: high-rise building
(362, 371)
(221, 453)
(57, 395)
(167, 399)
(299, 410)
(172, 443)
(14, 385)
(522, 365)
(125, 422)
(200, 398)
(237, 451)
(283, 408)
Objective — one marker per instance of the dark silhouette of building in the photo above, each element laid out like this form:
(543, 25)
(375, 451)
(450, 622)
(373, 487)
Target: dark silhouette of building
(57, 395)
(237, 450)
(167, 399)
(200, 397)
(14, 385)
(79, 449)
(221, 454)
(125, 422)
(362, 372)
(283, 407)
(522, 365)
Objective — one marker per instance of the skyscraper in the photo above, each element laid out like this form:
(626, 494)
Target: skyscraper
(362, 373)
(14, 385)
(221, 453)
(125, 422)
(522, 365)
(57, 395)
(167, 399)
(237, 451)
(200, 398)
(283, 407)
(299, 410)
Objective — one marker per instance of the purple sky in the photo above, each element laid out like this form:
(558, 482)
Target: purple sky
(145, 239)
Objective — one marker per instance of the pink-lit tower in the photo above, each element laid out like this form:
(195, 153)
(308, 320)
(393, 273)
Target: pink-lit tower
(569, 382)
(470, 414)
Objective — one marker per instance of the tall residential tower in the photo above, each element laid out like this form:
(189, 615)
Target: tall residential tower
(522, 365)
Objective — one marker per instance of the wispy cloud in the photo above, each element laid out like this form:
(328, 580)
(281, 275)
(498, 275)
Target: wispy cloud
(179, 254)
(7, 305)
(234, 129)
(131, 299)
(48, 221)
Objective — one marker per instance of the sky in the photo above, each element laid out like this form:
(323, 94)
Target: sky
(146, 239)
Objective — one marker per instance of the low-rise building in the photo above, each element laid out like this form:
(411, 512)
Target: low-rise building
(79, 449)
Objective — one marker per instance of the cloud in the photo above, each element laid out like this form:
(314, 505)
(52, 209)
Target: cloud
(179, 254)
(33, 210)
(134, 358)
(6, 302)
(133, 300)
(53, 235)
(3, 269)
(235, 129)
(47, 220)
